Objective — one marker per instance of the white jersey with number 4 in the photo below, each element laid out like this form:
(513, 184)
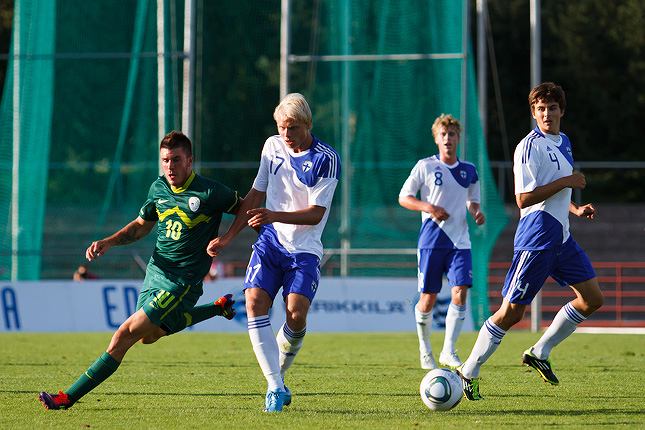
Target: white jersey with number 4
(540, 159)
(295, 181)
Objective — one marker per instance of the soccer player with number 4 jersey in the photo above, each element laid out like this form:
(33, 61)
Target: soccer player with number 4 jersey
(298, 175)
(187, 210)
(449, 189)
(543, 246)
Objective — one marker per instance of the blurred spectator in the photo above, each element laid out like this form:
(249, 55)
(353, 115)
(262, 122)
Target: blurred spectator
(83, 272)
(217, 271)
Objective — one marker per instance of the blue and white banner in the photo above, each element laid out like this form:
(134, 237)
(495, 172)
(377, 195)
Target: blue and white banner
(341, 305)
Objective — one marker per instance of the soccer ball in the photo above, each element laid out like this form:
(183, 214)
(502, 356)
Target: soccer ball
(441, 389)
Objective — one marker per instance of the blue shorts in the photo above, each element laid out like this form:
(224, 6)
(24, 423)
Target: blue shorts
(271, 269)
(433, 263)
(567, 264)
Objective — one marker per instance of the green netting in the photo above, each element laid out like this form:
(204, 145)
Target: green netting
(89, 119)
(390, 106)
(26, 110)
(88, 136)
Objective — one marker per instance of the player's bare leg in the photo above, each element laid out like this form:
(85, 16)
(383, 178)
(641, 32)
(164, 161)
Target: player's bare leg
(588, 299)
(137, 327)
(489, 338)
(291, 335)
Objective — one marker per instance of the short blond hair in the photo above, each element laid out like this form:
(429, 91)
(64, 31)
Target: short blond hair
(445, 121)
(295, 107)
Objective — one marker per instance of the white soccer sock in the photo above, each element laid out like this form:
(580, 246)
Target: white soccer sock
(565, 322)
(454, 322)
(266, 350)
(289, 343)
(424, 324)
(489, 338)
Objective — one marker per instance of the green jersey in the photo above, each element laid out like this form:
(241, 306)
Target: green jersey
(188, 218)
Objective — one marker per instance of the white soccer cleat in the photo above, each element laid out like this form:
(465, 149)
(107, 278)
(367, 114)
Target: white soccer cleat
(450, 359)
(427, 362)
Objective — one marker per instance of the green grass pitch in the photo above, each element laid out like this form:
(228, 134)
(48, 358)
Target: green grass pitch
(338, 381)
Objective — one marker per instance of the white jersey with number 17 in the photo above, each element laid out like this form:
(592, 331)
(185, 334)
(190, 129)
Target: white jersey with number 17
(295, 181)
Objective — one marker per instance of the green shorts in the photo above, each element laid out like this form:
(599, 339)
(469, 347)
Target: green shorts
(165, 301)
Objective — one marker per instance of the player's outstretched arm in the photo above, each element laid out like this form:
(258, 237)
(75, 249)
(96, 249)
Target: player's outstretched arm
(253, 199)
(310, 216)
(476, 213)
(414, 204)
(543, 192)
(587, 211)
(132, 232)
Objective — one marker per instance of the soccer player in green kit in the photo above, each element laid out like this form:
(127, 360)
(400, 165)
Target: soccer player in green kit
(187, 209)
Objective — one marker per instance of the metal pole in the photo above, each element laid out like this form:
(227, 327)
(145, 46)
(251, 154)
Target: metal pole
(536, 45)
(464, 78)
(482, 70)
(536, 72)
(345, 224)
(161, 75)
(285, 47)
(188, 99)
(198, 85)
(15, 183)
(536, 312)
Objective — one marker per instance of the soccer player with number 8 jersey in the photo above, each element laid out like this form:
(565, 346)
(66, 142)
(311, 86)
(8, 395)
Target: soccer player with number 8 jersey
(448, 190)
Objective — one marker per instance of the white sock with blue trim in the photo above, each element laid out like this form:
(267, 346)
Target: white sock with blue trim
(424, 324)
(489, 338)
(564, 324)
(289, 343)
(266, 350)
(454, 322)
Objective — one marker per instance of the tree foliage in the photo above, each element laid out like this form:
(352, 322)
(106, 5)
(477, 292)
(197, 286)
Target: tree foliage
(594, 50)
(6, 17)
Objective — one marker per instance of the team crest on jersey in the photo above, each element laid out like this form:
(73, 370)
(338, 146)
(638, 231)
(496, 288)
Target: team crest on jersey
(193, 203)
(569, 152)
(306, 166)
(463, 174)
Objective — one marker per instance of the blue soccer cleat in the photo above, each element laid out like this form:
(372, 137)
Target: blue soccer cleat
(287, 393)
(287, 396)
(275, 400)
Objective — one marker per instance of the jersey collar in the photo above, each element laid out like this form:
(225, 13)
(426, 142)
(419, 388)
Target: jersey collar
(186, 184)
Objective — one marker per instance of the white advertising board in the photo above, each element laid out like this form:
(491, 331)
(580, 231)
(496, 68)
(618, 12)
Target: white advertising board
(340, 305)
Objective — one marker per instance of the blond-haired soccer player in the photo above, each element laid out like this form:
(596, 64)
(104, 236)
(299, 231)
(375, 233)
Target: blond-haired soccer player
(543, 246)
(448, 189)
(298, 175)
